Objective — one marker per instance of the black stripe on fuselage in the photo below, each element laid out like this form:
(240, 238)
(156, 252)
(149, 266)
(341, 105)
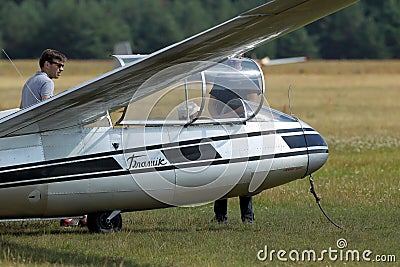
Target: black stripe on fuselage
(152, 147)
(67, 169)
(304, 140)
(103, 164)
(35, 181)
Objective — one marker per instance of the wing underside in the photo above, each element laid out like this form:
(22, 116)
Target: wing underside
(89, 101)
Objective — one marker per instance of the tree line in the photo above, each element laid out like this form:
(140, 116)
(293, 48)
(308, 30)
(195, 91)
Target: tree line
(86, 29)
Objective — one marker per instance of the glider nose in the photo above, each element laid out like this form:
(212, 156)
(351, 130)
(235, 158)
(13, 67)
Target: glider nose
(317, 150)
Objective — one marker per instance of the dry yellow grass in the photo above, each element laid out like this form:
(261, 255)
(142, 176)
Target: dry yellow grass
(340, 98)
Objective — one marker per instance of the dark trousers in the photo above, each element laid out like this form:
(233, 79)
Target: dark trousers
(246, 208)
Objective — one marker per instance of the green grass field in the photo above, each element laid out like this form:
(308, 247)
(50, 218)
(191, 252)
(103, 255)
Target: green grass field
(354, 105)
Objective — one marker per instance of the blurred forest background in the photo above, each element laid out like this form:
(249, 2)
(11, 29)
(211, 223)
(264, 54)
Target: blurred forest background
(89, 29)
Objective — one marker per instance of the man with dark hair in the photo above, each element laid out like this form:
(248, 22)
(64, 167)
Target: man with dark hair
(40, 86)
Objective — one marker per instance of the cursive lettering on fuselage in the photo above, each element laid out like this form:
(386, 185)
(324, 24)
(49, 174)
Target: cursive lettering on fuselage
(134, 163)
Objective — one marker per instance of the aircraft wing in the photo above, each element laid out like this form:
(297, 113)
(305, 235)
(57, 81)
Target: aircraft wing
(89, 101)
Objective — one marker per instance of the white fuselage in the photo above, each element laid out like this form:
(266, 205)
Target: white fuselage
(86, 170)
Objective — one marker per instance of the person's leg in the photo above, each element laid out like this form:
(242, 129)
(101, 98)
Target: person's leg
(246, 209)
(221, 210)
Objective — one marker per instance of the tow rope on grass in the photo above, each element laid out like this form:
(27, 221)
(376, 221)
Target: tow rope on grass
(318, 200)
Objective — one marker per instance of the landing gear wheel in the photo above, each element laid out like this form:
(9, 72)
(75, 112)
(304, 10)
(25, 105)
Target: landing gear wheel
(97, 223)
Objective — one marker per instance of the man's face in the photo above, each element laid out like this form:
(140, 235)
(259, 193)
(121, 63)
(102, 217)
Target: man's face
(54, 68)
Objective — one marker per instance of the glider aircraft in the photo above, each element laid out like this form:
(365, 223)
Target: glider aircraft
(175, 145)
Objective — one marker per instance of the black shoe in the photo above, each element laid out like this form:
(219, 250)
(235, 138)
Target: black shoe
(220, 219)
(248, 218)
(247, 221)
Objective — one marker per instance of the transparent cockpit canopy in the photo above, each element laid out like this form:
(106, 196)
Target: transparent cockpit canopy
(230, 91)
(218, 96)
